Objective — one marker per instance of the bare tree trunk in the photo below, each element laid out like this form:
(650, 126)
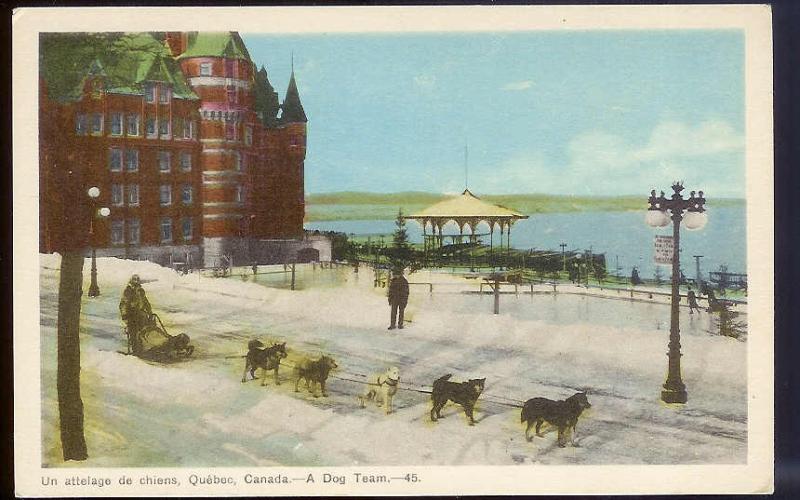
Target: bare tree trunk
(70, 406)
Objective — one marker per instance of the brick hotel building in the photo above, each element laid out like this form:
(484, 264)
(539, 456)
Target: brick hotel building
(193, 153)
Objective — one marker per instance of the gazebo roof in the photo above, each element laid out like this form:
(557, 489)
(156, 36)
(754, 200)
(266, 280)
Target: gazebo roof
(466, 206)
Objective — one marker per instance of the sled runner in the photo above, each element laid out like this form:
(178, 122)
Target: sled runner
(153, 343)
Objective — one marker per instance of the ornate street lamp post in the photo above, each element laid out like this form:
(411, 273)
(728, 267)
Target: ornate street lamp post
(694, 219)
(94, 193)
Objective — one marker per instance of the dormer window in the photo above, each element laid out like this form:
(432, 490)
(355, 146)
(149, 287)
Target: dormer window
(149, 92)
(97, 88)
(205, 69)
(164, 94)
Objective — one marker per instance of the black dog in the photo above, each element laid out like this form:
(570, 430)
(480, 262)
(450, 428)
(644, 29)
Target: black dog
(464, 393)
(265, 358)
(562, 414)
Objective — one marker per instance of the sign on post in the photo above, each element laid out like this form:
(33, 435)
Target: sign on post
(663, 248)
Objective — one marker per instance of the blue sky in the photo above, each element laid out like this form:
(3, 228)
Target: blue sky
(583, 112)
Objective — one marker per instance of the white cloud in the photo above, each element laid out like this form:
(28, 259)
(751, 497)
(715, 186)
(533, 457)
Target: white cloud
(517, 86)
(706, 155)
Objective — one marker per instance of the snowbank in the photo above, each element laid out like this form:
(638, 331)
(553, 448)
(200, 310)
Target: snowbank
(199, 413)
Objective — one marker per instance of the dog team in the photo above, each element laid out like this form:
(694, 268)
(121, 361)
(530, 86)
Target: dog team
(382, 387)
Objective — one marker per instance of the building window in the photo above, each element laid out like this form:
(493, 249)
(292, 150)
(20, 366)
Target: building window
(149, 92)
(163, 128)
(116, 123)
(166, 230)
(164, 94)
(237, 161)
(186, 161)
(117, 232)
(133, 195)
(134, 231)
(165, 194)
(116, 195)
(186, 194)
(177, 126)
(80, 124)
(132, 160)
(115, 159)
(205, 69)
(97, 123)
(230, 68)
(248, 136)
(133, 124)
(151, 127)
(188, 129)
(232, 96)
(239, 194)
(164, 160)
(186, 225)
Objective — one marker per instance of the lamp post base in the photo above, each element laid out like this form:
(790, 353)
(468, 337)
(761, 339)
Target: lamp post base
(94, 290)
(674, 395)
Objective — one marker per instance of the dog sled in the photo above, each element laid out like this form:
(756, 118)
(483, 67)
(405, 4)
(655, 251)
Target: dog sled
(154, 343)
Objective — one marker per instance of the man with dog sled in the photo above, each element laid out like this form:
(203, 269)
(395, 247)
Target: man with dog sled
(135, 311)
(147, 337)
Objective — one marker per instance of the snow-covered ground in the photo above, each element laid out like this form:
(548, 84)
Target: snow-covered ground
(198, 412)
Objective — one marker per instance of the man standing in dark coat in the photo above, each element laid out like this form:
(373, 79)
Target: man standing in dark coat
(135, 311)
(398, 298)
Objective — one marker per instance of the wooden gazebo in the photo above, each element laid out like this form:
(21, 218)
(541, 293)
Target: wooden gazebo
(466, 209)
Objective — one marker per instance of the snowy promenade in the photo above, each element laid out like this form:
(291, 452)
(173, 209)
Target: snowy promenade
(199, 413)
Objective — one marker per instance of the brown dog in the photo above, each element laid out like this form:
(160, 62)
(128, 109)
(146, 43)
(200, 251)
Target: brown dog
(314, 372)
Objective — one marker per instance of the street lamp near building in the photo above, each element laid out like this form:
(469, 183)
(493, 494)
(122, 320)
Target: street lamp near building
(691, 212)
(94, 193)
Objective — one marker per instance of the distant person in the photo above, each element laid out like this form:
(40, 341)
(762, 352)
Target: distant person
(691, 297)
(135, 310)
(398, 298)
(713, 305)
(635, 279)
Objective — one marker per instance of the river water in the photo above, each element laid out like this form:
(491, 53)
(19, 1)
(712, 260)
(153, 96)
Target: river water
(623, 237)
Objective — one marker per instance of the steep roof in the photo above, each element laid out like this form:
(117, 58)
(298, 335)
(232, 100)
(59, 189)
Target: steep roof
(293, 111)
(467, 205)
(226, 44)
(266, 99)
(123, 61)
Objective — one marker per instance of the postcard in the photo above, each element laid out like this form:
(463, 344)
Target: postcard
(393, 250)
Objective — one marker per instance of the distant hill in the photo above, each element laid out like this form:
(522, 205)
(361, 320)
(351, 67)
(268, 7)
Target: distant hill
(355, 205)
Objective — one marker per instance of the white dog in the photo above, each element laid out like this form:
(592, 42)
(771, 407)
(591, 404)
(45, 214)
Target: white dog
(382, 387)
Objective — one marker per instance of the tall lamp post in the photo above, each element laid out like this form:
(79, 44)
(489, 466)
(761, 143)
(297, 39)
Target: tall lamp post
(94, 193)
(692, 213)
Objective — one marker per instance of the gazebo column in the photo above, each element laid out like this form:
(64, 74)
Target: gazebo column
(472, 225)
(491, 242)
(502, 232)
(424, 243)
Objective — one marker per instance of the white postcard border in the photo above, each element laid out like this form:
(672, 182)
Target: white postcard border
(755, 477)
